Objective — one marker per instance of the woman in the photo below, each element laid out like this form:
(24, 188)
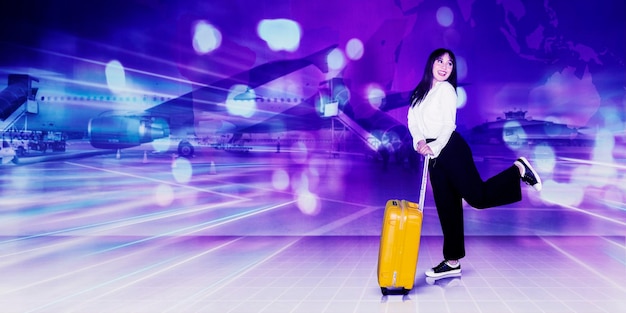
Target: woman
(453, 174)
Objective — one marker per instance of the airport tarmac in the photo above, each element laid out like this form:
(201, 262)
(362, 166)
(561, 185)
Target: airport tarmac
(288, 231)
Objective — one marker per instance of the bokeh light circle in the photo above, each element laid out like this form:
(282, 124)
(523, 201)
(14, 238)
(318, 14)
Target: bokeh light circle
(354, 49)
(445, 16)
(280, 34)
(375, 95)
(308, 203)
(115, 76)
(206, 37)
(461, 97)
(182, 170)
(336, 60)
(164, 195)
(280, 179)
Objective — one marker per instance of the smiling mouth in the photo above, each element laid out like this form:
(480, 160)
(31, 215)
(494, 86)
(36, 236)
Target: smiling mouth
(442, 73)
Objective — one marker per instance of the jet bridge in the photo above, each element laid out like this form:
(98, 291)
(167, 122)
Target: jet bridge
(380, 132)
(370, 141)
(17, 99)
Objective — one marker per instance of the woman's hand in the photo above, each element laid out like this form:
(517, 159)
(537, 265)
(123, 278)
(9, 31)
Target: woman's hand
(423, 148)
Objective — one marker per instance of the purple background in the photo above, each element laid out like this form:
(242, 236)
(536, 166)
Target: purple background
(561, 61)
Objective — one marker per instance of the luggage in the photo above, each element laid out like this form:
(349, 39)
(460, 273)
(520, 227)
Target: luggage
(399, 242)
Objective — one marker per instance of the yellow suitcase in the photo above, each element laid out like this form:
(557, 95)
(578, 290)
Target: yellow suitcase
(399, 243)
(399, 246)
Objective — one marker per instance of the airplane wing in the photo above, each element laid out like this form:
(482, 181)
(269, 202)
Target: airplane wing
(176, 116)
(211, 99)
(216, 92)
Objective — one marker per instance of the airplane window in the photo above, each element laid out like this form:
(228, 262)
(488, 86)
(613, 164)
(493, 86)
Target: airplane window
(43, 98)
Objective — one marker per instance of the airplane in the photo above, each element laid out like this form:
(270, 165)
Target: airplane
(205, 109)
(517, 129)
(78, 112)
(208, 110)
(119, 122)
(380, 132)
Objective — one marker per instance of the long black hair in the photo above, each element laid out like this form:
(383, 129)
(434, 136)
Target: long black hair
(421, 90)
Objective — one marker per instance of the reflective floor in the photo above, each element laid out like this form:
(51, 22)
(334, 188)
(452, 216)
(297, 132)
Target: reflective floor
(305, 274)
(288, 232)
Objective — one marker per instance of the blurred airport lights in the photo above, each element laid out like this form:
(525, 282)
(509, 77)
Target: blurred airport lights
(375, 95)
(280, 34)
(445, 16)
(241, 101)
(512, 134)
(206, 37)
(553, 192)
(544, 157)
(461, 97)
(354, 49)
(602, 154)
(300, 155)
(280, 179)
(161, 144)
(308, 202)
(182, 170)
(336, 60)
(115, 76)
(163, 195)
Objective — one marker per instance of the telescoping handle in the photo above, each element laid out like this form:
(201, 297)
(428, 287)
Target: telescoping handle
(424, 181)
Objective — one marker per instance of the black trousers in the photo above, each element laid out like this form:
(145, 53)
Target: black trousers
(453, 177)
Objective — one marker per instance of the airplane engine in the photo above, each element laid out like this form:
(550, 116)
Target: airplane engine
(118, 132)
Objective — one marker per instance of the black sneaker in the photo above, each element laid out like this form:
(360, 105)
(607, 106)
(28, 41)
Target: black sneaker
(530, 177)
(443, 269)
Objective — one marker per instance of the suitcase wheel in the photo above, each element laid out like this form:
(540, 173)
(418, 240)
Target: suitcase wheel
(387, 292)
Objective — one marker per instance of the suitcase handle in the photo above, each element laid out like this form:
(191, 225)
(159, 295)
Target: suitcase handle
(423, 185)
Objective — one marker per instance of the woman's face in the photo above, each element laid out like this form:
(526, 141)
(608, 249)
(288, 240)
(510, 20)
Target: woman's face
(442, 68)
